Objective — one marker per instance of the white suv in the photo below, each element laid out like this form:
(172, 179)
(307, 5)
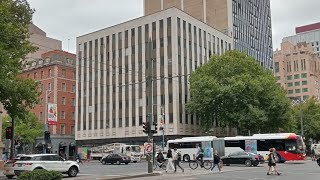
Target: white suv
(50, 162)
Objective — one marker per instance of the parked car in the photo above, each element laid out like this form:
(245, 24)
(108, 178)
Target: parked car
(8, 166)
(242, 157)
(116, 159)
(50, 162)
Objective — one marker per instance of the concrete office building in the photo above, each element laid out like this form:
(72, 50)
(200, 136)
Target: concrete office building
(39, 39)
(249, 22)
(309, 34)
(56, 73)
(297, 69)
(112, 68)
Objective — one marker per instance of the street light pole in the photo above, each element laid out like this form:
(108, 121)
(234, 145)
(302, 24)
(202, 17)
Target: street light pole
(301, 122)
(46, 128)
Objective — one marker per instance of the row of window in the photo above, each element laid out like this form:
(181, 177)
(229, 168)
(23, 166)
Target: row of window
(63, 101)
(297, 83)
(298, 90)
(62, 115)
(63, 87)
(63, 74)
(297, 76)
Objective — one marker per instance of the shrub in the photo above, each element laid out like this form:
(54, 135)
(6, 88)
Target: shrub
(40, 174)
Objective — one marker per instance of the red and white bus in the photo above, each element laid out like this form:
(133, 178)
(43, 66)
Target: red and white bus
(289, 146)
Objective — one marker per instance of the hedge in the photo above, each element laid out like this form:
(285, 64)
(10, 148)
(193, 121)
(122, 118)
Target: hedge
(40, 174)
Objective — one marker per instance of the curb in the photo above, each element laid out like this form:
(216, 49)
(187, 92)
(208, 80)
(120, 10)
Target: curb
(132, 176)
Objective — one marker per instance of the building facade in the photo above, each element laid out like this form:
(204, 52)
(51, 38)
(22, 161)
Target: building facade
(112, 65)
(309, 34)
(249, 22)
(297, 69)
(39, 39)
(56, 73)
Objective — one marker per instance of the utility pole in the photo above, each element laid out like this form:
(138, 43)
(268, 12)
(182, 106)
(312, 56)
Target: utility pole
(149, 105)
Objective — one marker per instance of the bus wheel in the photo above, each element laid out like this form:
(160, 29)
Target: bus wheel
(186, 158)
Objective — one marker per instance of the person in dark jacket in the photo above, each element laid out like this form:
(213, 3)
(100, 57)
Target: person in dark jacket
(216, 161)
(170, 160)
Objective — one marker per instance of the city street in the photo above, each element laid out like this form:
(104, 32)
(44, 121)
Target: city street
(306, 170)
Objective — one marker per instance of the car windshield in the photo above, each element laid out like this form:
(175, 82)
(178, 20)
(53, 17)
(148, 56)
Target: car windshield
(24, 158)
(136, 149)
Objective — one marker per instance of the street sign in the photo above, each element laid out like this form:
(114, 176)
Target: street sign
(148, 148)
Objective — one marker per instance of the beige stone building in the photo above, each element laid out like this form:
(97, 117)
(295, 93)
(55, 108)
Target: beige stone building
(39, 39)
(297, 69)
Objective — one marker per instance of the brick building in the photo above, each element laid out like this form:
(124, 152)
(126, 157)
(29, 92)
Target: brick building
(56, 73)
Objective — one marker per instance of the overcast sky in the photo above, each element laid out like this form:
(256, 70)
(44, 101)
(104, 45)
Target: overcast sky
(67, 19)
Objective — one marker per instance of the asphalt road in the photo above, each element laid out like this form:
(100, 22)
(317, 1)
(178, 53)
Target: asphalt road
(307, 170)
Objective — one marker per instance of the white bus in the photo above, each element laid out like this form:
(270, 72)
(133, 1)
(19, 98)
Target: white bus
(187, 146)
(289, 146)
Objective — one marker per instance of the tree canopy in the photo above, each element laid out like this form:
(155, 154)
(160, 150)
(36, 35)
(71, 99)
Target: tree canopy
(16, 94)
(310, 111)
(236, 91)
(26, 129)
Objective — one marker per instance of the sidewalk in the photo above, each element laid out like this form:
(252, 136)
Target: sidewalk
(131, 176)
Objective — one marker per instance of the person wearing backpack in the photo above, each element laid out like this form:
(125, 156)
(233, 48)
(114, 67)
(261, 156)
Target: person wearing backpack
(176, 160)
(216, 161)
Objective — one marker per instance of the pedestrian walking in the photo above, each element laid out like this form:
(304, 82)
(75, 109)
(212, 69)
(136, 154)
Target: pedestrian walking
(313, 154)
(199, 155)
(160, 158)
(79, 160)
(272, 162)
(176, 160)
(216, 161)
(169, 156)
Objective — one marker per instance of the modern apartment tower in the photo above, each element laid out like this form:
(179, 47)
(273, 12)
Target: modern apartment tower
(247, 21)
(112, 65)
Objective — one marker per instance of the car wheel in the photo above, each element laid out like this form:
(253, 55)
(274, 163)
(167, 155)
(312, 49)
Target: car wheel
(318, 161)
(255, 164)
(186, 158)
(73, 171)
(248, 163)
(126, 163)
(118, 162)
(104, 162)
(112, 163)
(9, 176)
(135, 161)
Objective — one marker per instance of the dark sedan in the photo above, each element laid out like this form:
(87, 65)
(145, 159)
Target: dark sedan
(241, 157)
(116, 159)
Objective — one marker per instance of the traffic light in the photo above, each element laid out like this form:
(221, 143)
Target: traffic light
(47, 135)
(8, 132)
(155, 124)
(145, 126)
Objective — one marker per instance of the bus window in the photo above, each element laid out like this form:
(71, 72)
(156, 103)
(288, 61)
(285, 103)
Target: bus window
(291, 145)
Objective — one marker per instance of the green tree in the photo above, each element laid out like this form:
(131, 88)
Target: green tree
(16, 94)
(26, 129)
(236, 91)
(310, 111)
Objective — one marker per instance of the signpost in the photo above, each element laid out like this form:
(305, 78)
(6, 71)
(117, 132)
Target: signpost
(148, 147)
